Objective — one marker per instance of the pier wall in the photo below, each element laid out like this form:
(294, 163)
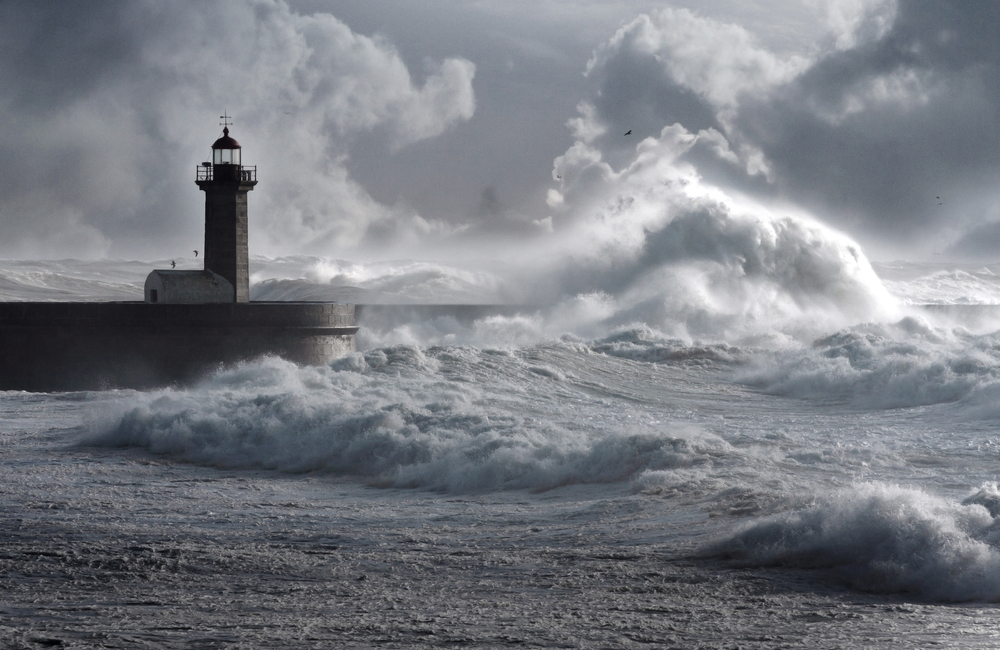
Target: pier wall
(93, 346)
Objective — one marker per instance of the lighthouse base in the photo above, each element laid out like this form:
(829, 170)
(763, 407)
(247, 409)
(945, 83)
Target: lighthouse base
(94, 346)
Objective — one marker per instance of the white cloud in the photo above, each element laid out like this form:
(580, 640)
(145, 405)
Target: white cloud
(852, 22)
(587, 127)
(717, 61)
(301, 88)
(901, 89)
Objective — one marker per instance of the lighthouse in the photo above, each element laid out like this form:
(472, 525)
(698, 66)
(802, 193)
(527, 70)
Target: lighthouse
(191, 322)
(226, 182)
(226, 275)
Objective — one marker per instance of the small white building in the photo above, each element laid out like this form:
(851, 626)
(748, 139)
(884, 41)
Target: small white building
(188, 287)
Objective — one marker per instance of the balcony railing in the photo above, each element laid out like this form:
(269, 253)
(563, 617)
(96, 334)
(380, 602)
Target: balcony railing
(247, 174)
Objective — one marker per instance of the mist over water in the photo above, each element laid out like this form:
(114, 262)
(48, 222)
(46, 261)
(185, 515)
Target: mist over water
(726, 405)
(759, 371)
(711, 359)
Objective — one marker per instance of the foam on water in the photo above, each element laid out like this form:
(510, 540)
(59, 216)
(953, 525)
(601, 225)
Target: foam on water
(704, 356)
(885, 365)
(885, 538)
(73, 280)
(394, 281)
(954, 284)
(456, 419)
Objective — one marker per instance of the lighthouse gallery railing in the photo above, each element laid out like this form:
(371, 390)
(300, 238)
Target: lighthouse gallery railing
(247, 174)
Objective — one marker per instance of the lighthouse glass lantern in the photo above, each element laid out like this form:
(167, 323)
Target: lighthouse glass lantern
(226, 150)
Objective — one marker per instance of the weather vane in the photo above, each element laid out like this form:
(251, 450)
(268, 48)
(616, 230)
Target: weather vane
(225, 119)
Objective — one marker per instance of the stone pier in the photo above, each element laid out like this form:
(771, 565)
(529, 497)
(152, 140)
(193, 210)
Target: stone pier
(93, 346)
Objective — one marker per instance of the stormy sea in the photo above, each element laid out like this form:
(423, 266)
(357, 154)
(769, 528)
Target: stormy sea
(759, 439)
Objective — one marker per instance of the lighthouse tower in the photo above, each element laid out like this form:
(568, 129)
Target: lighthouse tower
(226, 182)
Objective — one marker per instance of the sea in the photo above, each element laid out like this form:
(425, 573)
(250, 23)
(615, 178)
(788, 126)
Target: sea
(713, 447)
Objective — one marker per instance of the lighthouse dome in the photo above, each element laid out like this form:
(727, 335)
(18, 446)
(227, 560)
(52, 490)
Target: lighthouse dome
(225, 142)
(226, 150)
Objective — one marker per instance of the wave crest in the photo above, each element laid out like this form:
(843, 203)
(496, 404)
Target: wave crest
(450, 419)
(883, 538)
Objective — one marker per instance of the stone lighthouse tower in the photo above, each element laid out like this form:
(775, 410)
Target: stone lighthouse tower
(226, 182)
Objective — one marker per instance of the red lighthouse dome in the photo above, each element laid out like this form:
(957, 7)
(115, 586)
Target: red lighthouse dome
(226, 150)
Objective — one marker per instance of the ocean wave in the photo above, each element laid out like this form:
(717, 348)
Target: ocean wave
(72, 280)
(907, 363)
(449, 419)
(941, 284)
(385, 282)
(645, 344)
(883, 538)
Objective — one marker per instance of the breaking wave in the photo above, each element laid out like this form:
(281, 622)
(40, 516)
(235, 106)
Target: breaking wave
(882, 538)
(907, 363)
(450, 419)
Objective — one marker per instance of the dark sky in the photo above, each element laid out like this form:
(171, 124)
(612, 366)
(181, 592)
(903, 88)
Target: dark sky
(396, 128)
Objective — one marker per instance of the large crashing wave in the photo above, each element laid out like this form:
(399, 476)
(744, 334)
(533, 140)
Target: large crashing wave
(714, 274)
(691, 260)
(651, 244)
(455, 419)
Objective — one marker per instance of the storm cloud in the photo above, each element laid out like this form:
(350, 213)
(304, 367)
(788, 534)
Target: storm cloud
(885, 129)
(397, 129)
(104, 101)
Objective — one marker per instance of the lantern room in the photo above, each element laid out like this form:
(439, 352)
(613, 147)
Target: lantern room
(226, 150)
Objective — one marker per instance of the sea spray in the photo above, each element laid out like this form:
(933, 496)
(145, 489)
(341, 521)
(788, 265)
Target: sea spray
(652, 244)
(883, 538)
(884, 365)
(452, 419)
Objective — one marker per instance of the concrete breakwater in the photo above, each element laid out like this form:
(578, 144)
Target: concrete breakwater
(91, 346)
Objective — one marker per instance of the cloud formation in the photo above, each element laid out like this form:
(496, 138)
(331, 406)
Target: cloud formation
(101, 102)
(884, 128)
(876, 116)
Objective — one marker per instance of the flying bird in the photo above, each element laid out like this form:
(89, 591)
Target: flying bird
(196, 253)
(629, 132)
(173, 264)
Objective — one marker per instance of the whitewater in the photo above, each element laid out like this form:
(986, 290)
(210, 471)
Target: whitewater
(752, 439)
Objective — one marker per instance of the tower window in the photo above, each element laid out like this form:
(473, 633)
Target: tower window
(226, 156)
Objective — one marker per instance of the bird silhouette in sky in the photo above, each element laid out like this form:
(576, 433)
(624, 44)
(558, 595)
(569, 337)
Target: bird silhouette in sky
(629, 132)
(196, 253)
(173, 264)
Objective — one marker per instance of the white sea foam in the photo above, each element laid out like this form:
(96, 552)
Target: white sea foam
(455, 419)
(646, 344)
(941, 284)
(906, 363)
(72, 280)
(885, 538)
(377, 282)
